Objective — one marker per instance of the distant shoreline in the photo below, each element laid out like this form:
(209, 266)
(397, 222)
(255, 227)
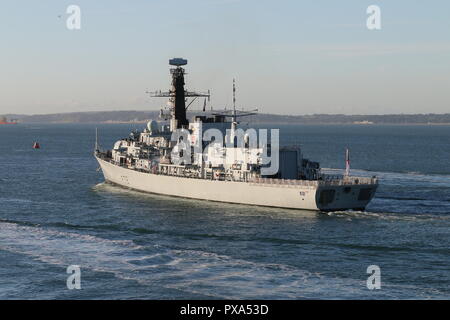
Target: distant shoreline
(245, 122)
(141, 117)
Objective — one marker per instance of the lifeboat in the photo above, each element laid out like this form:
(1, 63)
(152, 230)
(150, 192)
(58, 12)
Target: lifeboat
(36, 145)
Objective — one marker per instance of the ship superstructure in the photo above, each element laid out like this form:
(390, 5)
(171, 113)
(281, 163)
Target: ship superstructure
(211, 158)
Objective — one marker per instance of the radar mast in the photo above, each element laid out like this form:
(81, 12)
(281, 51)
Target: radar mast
(178, 95)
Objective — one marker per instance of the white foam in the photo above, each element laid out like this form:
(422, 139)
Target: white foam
(193, 271)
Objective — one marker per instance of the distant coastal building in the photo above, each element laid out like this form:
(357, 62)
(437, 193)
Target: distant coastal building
(363, 122)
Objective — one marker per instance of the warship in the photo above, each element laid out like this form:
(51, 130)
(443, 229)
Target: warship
(212, 158)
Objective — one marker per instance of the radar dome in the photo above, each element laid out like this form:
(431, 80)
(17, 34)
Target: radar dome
(152, 126)
(178, 62)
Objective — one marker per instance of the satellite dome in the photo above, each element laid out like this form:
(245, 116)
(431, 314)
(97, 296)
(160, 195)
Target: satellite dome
(152, 126)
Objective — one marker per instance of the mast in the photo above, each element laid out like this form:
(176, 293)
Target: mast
(234, 114)
(96, 139)
(347, 162)
(178, 100)
(178, 95)
(233, 117)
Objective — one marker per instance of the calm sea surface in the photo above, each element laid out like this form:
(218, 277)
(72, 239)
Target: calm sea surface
(55, 211)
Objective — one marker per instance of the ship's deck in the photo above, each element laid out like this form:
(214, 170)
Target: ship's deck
(323, 181)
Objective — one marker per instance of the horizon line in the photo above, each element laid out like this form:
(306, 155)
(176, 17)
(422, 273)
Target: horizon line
(209, 111)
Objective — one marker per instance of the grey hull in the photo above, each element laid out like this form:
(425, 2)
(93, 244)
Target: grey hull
(305, 197)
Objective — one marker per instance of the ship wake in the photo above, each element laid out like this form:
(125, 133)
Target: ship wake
(194, 272)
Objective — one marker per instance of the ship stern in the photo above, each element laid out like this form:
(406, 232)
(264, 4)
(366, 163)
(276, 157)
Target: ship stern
(354, 195)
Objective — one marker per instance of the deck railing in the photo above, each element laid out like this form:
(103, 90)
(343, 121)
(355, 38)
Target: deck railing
(325, 181)
(347, 180)
(285, 182)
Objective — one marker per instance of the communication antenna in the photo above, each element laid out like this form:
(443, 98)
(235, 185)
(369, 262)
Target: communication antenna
(234, 95)
(210, 103)
(96, 139)
(233, 118)
(234, 113)
(347, 162)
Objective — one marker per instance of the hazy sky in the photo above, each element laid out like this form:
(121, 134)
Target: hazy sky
(290, 57)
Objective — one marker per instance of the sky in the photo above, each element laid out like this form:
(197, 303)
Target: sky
(288, 56)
